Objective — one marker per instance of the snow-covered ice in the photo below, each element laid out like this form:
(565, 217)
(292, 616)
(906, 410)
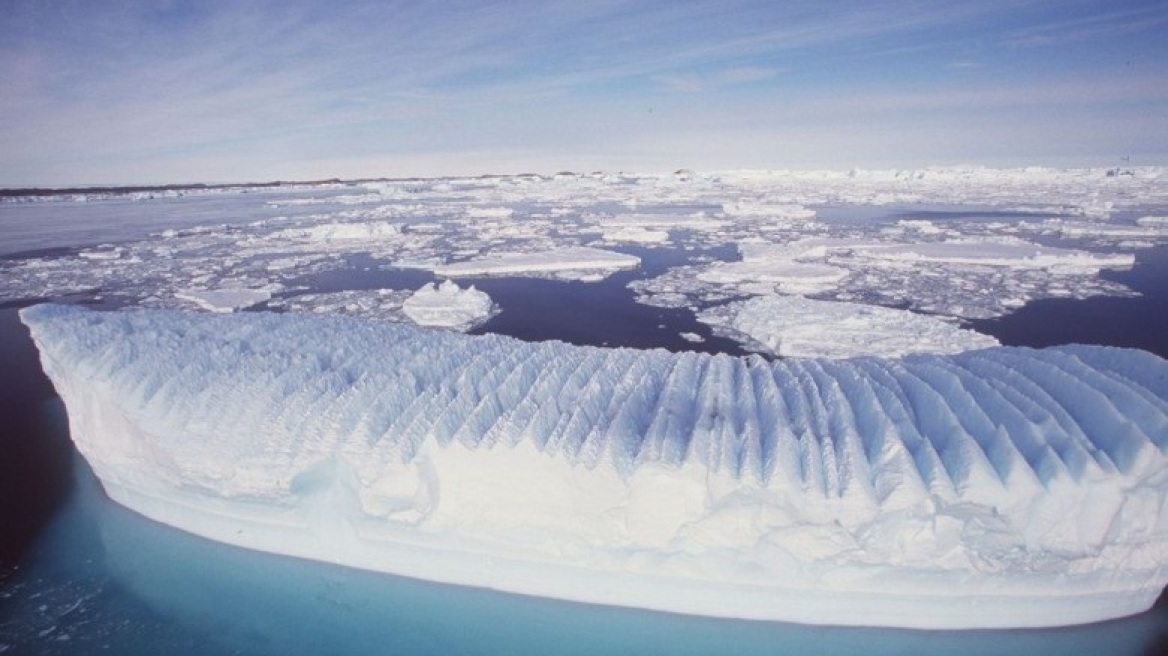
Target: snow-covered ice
(967, 243)
(794, 326)
(566, 262)
(975, 277)
(225, 300)
(636, 234)
(998, 487)
(772, 267)
(448, 306)
(997, 253)
(341, 231)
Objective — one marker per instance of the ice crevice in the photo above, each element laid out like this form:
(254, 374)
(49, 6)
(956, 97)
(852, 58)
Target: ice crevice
(997, 487)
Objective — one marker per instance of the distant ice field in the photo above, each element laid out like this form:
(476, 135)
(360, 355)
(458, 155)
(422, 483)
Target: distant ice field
(942, 247)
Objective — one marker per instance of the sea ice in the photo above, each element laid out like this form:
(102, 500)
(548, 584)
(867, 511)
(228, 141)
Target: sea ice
(768, 268)
(559, 261)
(341, 232)
(793, 326)
(998, 253)
(633, 233)
(994, 488)
(448, 306)
(975, 277)
(382, 304)
(228, 299)
(847, 235)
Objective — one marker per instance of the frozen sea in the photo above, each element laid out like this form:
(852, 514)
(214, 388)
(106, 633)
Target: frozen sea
(79, 574)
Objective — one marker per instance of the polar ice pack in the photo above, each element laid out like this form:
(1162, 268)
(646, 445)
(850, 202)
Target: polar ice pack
(1002, 487)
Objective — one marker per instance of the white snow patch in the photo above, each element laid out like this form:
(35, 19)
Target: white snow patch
(793, 326)
(699, 221)
(755, 210)
(768, 268)
(448, 306)
(998, 253)
(581, 258)
(342, 231)
(636, 234)
(489, 212)
(226, 299)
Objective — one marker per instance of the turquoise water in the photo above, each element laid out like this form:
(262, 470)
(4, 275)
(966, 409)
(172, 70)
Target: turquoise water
(104, 580)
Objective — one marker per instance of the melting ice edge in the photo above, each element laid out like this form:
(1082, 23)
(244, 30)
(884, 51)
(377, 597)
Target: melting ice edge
(995, 488)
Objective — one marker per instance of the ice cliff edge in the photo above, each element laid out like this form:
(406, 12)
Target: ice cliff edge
(1000, 487)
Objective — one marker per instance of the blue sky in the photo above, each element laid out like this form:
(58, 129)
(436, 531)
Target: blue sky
(222, 91)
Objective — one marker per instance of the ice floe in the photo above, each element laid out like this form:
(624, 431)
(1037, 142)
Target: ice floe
(794, 326)
(225, 300)
(448, 306)
(340, 231)
(385, 304)
(564, 262)
(999, 253)
(774, 268)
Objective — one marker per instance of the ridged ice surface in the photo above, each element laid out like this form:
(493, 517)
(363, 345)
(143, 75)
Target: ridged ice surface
(861, 491)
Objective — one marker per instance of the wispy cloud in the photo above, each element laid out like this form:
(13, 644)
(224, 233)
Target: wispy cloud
(90, 86)
(1151, 17)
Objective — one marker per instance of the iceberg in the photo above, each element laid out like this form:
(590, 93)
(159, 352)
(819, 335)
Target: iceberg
(448, 306)
(1004, 487)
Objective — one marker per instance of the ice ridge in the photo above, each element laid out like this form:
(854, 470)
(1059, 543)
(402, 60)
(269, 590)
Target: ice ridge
(773, 487)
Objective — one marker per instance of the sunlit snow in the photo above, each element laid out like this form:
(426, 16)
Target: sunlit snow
(772, 267)
(225, 300)
(564, 262)
(794, 326)
(448, 306)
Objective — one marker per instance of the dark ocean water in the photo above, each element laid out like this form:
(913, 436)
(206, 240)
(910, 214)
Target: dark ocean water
(1140, 322)
(82, 575)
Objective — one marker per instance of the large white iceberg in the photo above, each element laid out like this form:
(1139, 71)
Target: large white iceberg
(1000, 487)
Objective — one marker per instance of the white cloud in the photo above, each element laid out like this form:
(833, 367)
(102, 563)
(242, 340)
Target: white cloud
(91, 89)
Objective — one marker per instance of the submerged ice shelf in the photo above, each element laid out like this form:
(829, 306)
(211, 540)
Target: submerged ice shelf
(1001, 487)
